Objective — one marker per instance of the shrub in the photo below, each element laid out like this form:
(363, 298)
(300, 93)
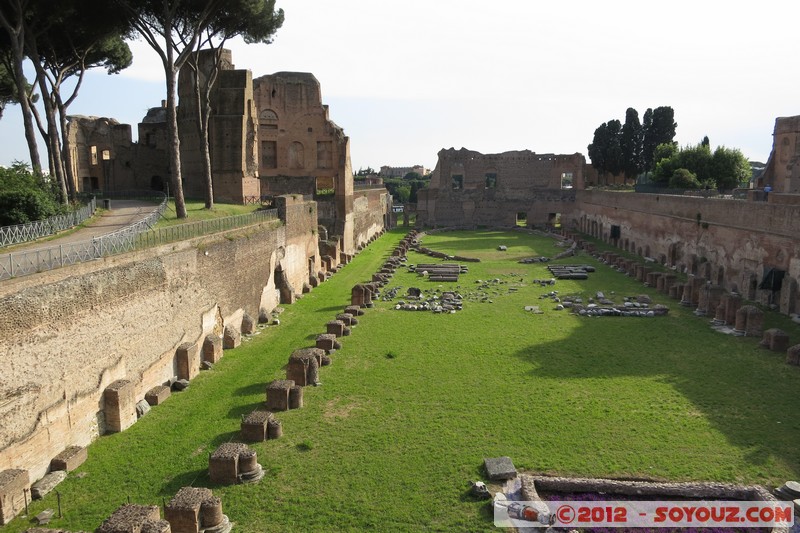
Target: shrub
(683, 179)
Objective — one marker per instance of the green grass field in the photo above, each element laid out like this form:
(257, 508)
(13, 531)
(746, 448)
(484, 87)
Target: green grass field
(389, 443)
(196, 210)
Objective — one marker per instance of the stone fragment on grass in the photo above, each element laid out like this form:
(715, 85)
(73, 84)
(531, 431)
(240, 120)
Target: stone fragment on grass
(499, 468)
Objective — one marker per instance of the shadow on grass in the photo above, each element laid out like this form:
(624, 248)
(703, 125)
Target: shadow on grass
(191, 478)
(254, 388)
(241, 410)
(737, 388)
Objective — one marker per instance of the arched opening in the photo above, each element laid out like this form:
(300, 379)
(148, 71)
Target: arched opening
(282, 286)
(522, 219)
(156, 184)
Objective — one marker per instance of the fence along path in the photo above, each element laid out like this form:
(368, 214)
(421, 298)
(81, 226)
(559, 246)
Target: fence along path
(127, 227)
(10, 235)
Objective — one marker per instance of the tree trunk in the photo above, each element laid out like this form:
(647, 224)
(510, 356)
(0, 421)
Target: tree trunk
(53, 135)
(203, 104)
(27, 115)
(174, 142)
(69, 168)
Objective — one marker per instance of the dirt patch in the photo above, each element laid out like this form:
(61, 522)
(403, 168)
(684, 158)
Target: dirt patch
(336, 409)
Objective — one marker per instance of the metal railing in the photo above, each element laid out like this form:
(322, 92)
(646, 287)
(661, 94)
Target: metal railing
(137, 236)
(42, 228)
(368, 186)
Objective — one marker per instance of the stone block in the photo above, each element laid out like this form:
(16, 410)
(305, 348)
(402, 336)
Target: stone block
(328, 342)
(335, 327)
(12, 497)
(303, 367)
(183, 510)
(499, 468)
(187, 357)
(157, 395)
(278, 394)
(354, 310)
(274, 429)
(231, 338)
(142, 408)
(130, 517)
(70, 459)
(793, 355)
(732, 304)
(347, 318)
(776, 340)
(212, 348)
(296, 397)
(254, 426)
(42, 487)
(119, 406)
(232, 463)
(248, 325)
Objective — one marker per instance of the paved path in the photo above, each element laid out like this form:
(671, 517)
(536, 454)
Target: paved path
(46, 254)
(123, 213)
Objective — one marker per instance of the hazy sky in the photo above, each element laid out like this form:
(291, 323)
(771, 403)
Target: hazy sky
(405, 79)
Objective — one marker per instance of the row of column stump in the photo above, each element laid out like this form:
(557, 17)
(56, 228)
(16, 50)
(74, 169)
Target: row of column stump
(196, 510)
(727, 308)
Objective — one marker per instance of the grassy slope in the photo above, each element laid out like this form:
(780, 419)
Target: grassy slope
(389, 443)
(196, 210)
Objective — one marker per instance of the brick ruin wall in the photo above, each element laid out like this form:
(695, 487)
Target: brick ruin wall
(370, 209)
(69, 333)
(731, 242)
(495, 188)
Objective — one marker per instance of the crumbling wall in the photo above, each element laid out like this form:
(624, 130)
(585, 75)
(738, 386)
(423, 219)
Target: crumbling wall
(783, 166)
(732, 243)
(469, 188)
(370, 208)
(69, 333)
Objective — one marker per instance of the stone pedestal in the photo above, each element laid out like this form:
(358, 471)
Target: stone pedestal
(248, 325)
(254, 426)
(793, 355)
(336, 327)
(776, 340)
(278, 394)
(732, 304)
(188, 360)
(296, 397)
(157, 395)
(69, 459)
(133, 517)
(347, 318)
(212, 348)
(193, 510)
(749, 321)
(303, 367)
(231, 338)
(12, 497)
(328, 342)
(119, 406)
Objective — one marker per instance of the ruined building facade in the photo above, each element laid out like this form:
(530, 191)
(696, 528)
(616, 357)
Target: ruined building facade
(268, 136)
(471, 188)
(783, 167)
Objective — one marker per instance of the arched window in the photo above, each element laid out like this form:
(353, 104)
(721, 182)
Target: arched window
(268, 119)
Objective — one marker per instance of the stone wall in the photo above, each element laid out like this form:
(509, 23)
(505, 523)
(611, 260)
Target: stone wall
(783, 167)
(370, 210)
(469, 188)
(733, 243)
(69, 333)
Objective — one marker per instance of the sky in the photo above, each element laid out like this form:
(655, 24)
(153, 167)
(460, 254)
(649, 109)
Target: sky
(406, 79)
